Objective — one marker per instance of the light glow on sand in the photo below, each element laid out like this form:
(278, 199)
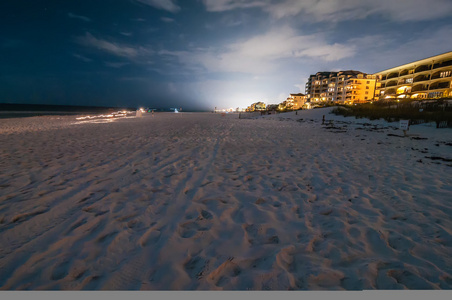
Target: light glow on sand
(208, 202)
(104, 118)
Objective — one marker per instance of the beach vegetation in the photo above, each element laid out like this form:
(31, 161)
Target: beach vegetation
(439, 111)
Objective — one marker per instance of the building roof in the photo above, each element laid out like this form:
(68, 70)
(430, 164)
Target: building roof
(299, 94)
(419, 62)
(349, 72)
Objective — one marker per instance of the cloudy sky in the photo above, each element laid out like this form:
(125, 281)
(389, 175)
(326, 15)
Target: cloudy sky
(198, 54)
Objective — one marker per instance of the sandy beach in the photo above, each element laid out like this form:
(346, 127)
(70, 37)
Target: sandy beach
(200, 201)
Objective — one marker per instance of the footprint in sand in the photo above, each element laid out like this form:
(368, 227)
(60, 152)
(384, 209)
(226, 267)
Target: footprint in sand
(196, 267)
(384, 280)
(76, 225)
(221, 275)
(150, 237)
(399, 242)
(376, 243)
(61, 270)
(256, 235)
(91, 282)
(106, 238)
(202, 223)
(410, 280)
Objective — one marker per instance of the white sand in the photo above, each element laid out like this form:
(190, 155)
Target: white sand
(200, 201)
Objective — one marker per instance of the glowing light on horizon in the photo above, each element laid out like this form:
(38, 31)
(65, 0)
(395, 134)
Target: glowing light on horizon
(118, 114)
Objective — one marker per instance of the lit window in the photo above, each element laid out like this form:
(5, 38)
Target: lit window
(445, 74)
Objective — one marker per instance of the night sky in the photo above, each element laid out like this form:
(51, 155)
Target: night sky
(198, 54)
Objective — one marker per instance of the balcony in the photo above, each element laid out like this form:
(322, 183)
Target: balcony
(405, 72)
(443, 64)
(405, 81)
(392, 75)
(420, 78)
(422, 68)
(419, 87)
(390, 92)
(440, 74)
(440, 85)
(403, 90)
(391, 83)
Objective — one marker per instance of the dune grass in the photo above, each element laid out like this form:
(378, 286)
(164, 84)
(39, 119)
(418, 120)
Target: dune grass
(438, 111)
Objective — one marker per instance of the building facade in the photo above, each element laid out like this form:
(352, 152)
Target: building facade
(342, 87)
(256, 106)
(426, 78)
(317, 86)
(355, 87)
(297, 100)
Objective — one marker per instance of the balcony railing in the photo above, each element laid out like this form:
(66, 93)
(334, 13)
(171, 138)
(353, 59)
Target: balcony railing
(438, 75)
(392, 75)
(443, 64)
(441, 85)
(405, 81)
(422, 69)
(421, 78)
(390, 92)
(419, 87)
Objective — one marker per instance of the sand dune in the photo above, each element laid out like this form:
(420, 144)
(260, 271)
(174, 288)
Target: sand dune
(200, 201)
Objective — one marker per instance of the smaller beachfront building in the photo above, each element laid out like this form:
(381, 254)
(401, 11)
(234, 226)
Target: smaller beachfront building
(256, 106)
(422, 79)
(297, 100)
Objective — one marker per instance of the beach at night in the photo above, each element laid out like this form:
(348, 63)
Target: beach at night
(226, 149)
(204, 201)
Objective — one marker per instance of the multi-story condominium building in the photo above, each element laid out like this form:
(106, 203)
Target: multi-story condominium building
(342, 87)
(317, 86)
(426, 78)
(297, 100)
(355, 87)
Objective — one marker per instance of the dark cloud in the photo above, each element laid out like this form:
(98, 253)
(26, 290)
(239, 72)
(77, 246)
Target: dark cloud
(83, 18)
(168, 5)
